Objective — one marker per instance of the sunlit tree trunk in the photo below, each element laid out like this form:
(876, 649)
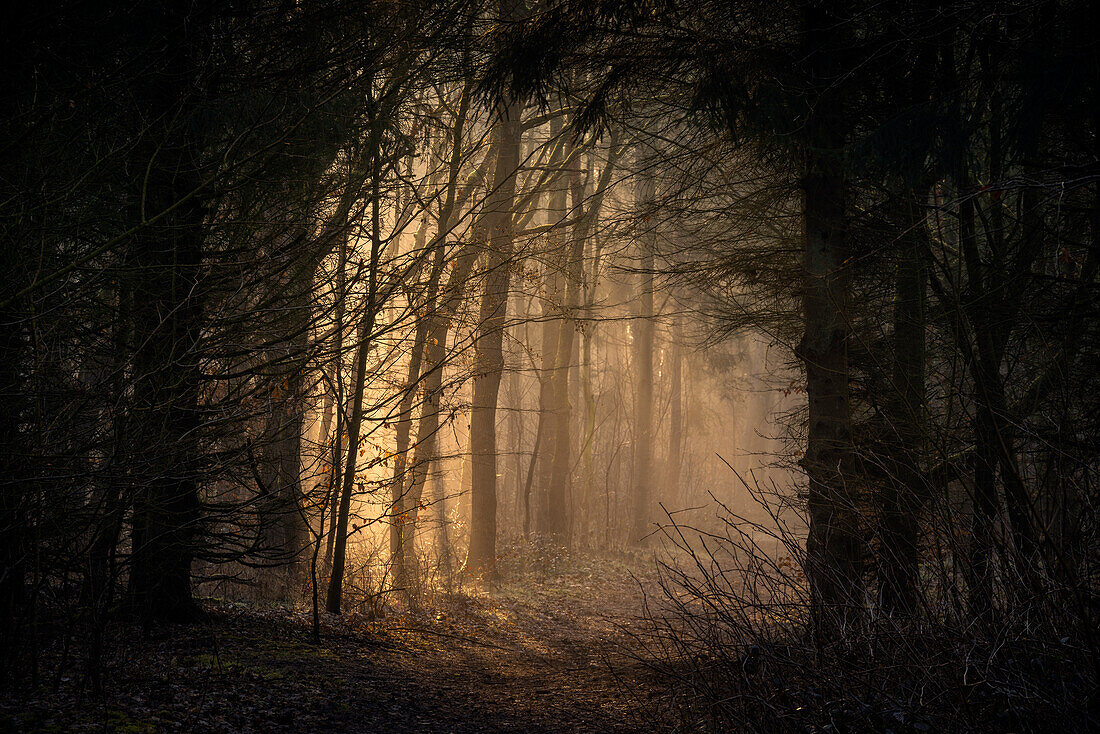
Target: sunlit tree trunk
(586, 213)
(540, 432)
(516, 435)
(587, 368)
(557, 519)
(427, 438)
(438, 321)
(642, 327)
(551, 507)
(336, 449)
(544, 459)
(334, 598)
(676, 408)
(400, 515)
(337, 231)
(324, 425)
(488, 354)
(588, 439)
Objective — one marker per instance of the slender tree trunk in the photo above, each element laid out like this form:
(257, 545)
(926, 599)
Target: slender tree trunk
(557, 521)
(551, 507)
(427, 438)
(336, 450)
(285, 524)
(543, 458)
(515, 389)
(588, 439)
(643, 359)
(14, 551)
(324, 426)
(676, 420)
(355, 421)
(399, 516)
(586, 212)
(437, 320)
(589, 336)
(903, 489)
(400, 513)
(366, 327)
(539, 431)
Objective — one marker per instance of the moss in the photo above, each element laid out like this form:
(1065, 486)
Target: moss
(219, 663)
(123, 723)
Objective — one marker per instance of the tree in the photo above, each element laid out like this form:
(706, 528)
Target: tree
(489, 359)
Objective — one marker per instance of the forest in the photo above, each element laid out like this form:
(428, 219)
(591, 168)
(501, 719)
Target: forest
(550, 366)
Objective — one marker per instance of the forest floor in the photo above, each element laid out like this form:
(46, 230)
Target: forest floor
(542, 651)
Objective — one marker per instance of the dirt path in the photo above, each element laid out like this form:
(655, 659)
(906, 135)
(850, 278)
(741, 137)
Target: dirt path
(537, 654)
(555, 654)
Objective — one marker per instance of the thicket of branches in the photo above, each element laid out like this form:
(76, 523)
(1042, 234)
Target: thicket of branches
(265, 266)
(276, 272)
(906, 196)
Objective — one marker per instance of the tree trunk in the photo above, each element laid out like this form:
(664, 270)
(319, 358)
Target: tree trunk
(284, 522)
(167, 319)
(438, 322)
(14, 488)
(903, 488)
(400, 511)
(551, 508)
(557, 520)
(168, 315)
(834, 548)
(586, 214)
(366, 327)
(589, 336)
(336, 450)
(676, 408)
(488, 354)
(643, 358)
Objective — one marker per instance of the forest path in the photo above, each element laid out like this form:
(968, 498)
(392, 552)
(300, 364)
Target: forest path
(540, 652)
